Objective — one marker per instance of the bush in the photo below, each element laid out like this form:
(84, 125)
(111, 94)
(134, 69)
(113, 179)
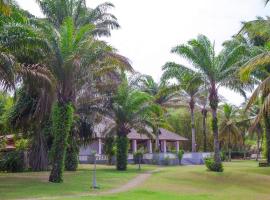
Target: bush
(138, 156)
(212, 166)
(109, 148)
(180, 154)
(223, 156)
(12, 161)
(166, 160)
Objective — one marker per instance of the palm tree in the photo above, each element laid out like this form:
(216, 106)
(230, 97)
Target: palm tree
(130, 108)
(228, 129)
(57, 11)
(202, 103)
(162, 92)
(5, 7)
(190, 86)
(217, 70)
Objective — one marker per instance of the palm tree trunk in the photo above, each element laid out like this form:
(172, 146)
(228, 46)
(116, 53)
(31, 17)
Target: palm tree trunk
(193, 134)
(122, 149)
(230, 148)
(258, 147)
(267, 136)
(204, 113)
(62, 118)
(213, 99)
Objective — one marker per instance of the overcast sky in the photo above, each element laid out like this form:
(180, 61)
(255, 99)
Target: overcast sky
(150, 28)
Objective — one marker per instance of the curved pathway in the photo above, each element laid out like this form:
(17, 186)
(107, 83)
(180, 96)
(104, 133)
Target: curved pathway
(124, 188)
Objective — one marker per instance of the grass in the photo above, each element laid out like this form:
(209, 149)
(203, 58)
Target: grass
(35, 184)
(241, 180)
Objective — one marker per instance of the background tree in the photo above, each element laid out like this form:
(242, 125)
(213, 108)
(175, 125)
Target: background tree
(129, 109)
(190, 86)
(57, 11)
(229, 133)
(217, 70)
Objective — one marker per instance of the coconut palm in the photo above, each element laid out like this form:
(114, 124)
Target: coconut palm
(190, 87)
(56, 11)
(217, 70)
(229, 133)
(162, 92)
(129, 110)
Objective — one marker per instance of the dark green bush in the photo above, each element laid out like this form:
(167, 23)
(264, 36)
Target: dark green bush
(12, 161)
(212, 166)
(180, 154)
(137, 157)
(109, 148)
(122, 152)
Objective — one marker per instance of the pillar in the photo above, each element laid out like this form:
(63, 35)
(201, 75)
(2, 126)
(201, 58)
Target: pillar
(134, 146)
(149, 146)
(177, 146)
(164, 146)
(99, 146)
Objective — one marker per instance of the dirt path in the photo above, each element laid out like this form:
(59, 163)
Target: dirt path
(138, 180)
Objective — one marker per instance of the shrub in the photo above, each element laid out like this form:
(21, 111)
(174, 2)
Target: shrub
(137, 157)
(12, 161)
(166, 160)
(180, 154)
(223, 156)
(212, 166)
(22, 144)
(109, 148)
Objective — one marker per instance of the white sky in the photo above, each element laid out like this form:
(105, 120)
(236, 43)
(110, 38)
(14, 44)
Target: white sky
(150, 28)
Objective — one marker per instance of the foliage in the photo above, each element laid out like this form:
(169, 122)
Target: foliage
(109, 148)
(138, 156)
(228, 130)
(12, 161)
(121, 152)
(57, 11)
(22, 144)
(62, 117)
(71, 159)
(212, 165)
(180, 155)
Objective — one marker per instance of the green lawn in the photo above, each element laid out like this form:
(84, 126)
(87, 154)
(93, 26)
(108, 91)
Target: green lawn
(241, 180)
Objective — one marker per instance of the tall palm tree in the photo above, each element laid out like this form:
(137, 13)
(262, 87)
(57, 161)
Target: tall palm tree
(203, 104)
(228, 129)
(130, 109)
(217, 70)
(190, 86)
(58, 10)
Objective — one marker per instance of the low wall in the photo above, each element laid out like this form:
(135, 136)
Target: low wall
(154, 158)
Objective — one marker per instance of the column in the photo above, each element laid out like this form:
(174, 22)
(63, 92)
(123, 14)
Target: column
(177, 146)
(134, 146)
(164, 146)
(149, 146)
(99, 146)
